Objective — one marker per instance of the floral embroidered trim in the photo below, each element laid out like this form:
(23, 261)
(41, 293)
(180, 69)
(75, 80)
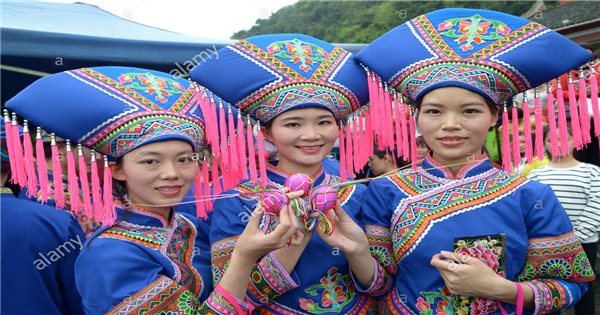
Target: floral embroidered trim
(560, 257)
(162, 295)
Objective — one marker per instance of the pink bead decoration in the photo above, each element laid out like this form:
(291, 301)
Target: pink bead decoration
(323, 198)
(298, 182)
(273, 201)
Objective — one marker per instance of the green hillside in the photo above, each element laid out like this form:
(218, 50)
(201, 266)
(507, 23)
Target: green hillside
(362, 21)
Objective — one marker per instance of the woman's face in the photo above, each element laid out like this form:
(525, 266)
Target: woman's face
(303, 137)
(454, 123)
(157, 174)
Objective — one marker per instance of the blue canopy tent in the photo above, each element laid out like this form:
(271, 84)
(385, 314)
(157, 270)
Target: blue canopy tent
(39, 38)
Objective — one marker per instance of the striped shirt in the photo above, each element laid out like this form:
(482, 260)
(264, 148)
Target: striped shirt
(578, 189)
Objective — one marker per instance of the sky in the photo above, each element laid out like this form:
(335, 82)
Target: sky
(214, 19)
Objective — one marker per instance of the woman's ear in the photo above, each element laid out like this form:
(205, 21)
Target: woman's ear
(268, 134)
(117, 171)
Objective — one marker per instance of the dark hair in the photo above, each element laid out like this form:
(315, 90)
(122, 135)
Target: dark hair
(394, 155)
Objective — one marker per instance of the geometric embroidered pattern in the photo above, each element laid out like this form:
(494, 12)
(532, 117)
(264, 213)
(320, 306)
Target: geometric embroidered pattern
(414, 215)
(147, 236)
(308, 77)
(161, 296)
(489, 80)
(288, 95)
(150, 106)
(477, 41)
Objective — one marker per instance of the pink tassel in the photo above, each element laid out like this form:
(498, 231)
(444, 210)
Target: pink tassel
(72, 183)
(264, 180)
(388, 128)
(360, 142)
(18, 153)
(206, 186)
(356, 153)
(241, 143)
(42, 167)
(583, 111)
(405, 135)
(57, 174)
(562, 119)
(32, 188)
(506, 161)
(200, 98)
(374, 108)
(369, 144)
(342, 153)
(85, 184)
(369, 134)
(413, 140)
(397, 125)
(223, 135)
(552, 121)
(527, 131)
(225, 180)
(516, 141)
(9, 146)
(539, 127)
(96, 187)
(381, 123)
(233, 156)
(593, 82)
(200, 209)
(214, 131)
(349, 151)
(251, 153)
(216, 181)
(109, 217)
(575, 124)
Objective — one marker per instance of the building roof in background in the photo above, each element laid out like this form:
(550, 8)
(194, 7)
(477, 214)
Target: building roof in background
(571, 14)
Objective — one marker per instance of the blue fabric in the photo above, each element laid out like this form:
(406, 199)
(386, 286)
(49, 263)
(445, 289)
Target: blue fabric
(507, 53)
(113, 109)
(260, 75)
(230, 218)
(111, 270)
(525, 211)
(39, 247)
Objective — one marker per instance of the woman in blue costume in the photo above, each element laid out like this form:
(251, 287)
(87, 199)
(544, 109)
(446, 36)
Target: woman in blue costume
(297, 87)
(39, 249)
(151, 259)
(425, 227)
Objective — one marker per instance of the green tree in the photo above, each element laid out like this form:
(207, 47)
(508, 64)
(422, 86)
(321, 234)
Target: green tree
(362, 21)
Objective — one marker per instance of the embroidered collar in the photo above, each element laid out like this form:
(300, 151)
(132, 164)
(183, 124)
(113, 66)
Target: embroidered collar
(144, 216)
(434, 167)
(278, 175)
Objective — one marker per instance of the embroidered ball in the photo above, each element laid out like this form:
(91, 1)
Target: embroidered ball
(298, 182)
(323, 198)
(273, 201)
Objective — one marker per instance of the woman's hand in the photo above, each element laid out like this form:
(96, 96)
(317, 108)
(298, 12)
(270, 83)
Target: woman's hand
(468, 276)
(346, 234)
(254, 243)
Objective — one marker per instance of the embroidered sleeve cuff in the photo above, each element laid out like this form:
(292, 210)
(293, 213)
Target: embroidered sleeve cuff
(223, 303)
(380, 282)
(269, 280)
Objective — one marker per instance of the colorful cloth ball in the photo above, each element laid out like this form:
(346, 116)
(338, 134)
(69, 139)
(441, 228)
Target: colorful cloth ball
(273, 201)
(323, 198)
(299, 182)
